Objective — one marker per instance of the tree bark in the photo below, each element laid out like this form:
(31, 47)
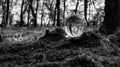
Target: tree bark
(85, 9)
(111, 21)
(7, 16)
(64, 9)
(58, 12)
(21, 16)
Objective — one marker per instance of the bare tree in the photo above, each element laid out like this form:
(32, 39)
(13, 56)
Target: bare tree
(76, 7)
(58, 12)
(52, 14)
(37, 10)
(21, 16)
(8, 12)
(33, 13)
(85, 8)
(42, 13)
(112, 16)
(64, 9)
(28, 16)
(3, 23)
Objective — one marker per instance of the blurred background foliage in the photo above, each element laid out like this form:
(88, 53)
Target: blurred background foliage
(52, 12)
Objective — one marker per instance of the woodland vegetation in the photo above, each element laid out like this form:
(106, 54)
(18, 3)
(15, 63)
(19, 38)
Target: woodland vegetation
(98, 48)
(44, 12)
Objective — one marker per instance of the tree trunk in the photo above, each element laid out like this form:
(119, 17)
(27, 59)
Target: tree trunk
(111, 21)
(42, 14)
(36, 13)
(58, 12)
(85, 9)
(21, 16)
(118, 27)
(33, 13)
(4, 15)
(7, 16)
(64, 9)
(76, 6)
(28, 18)
(54, 24)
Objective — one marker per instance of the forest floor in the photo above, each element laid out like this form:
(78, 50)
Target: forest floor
(54, 50)
(40, 28)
